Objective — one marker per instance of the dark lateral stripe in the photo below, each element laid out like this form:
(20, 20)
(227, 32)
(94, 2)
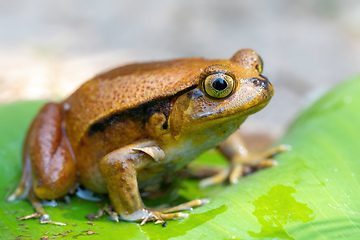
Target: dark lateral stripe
(139, 114)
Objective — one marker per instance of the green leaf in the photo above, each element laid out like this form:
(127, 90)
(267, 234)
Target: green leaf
(313, 193)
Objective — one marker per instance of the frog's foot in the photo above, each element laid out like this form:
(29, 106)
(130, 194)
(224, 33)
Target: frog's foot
(37, 205)
(159, 215)
(244, 165)
(40, 212)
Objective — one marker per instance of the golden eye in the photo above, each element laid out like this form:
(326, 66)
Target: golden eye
(218, 85)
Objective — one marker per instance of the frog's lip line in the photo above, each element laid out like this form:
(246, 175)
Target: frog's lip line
(221, 110)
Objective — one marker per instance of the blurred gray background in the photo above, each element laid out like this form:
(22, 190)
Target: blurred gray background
(48, 48)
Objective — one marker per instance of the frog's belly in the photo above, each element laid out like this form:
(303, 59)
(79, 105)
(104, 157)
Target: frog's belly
(176, 157)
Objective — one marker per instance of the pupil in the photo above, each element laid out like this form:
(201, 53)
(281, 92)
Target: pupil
(219, 84)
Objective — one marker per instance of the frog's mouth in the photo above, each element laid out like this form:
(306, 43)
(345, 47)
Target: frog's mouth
(244, 112)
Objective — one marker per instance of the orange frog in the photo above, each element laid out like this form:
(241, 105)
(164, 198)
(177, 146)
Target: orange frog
(124, 129)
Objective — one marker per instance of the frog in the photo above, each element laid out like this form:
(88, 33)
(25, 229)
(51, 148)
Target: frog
(126, 128)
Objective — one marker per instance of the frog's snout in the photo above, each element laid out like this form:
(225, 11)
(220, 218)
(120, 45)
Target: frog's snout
(265, 84)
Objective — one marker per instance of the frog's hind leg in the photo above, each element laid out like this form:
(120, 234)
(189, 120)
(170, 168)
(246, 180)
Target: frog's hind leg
(49, 168)
(23, 188)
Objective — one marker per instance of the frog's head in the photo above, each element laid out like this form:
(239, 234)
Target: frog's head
(227, 92)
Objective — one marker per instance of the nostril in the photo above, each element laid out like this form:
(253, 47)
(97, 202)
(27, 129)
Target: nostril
(256, 81)
(259, 82)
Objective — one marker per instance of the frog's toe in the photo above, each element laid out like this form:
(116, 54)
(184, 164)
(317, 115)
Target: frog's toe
(265, 158)
(237, 170)
(236, 173)
(185, 206)
(160, 217)
(216, 179)
(266, 163)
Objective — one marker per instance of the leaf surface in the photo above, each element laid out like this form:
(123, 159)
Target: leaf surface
(313, 193)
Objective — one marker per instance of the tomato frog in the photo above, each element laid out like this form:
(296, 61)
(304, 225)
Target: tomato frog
(123, 130)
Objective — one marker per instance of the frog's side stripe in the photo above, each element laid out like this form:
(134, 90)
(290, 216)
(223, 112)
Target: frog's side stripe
(140, 113)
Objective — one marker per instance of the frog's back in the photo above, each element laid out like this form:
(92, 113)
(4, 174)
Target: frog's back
(126, 88)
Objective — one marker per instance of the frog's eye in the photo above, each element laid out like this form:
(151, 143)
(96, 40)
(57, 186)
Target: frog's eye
(218, 85)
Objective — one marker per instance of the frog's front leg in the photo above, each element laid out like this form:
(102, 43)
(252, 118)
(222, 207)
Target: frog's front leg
(119, 169)
(241, 161)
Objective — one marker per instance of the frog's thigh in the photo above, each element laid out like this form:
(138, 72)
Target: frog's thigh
(53, 167)
(119, 169)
